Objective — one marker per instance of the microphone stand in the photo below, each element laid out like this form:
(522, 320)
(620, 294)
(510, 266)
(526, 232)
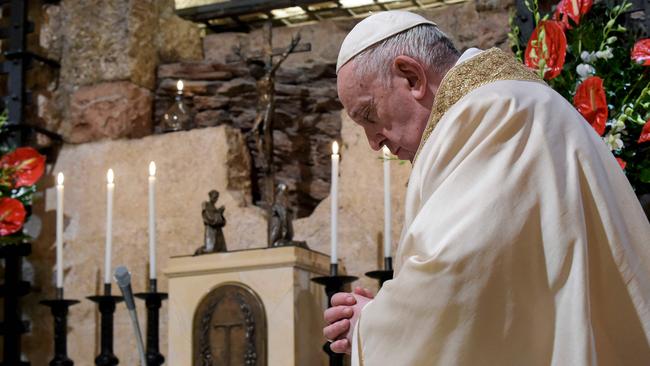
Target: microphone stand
(123, 279)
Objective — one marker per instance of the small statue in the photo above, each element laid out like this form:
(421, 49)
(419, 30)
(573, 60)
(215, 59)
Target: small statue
(214, 222)
(280, 225)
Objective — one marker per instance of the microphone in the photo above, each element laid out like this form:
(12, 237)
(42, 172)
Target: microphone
(123, 279)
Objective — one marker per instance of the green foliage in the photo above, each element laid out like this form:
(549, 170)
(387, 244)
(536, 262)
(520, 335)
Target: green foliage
(603, 42)
(5, 145)
(3, 119)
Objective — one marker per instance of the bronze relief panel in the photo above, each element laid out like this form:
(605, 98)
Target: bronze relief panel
(230, 328)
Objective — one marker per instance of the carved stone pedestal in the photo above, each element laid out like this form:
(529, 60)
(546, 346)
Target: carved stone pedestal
(255, 307)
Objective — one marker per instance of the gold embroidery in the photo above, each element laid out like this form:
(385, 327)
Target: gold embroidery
(484, 68)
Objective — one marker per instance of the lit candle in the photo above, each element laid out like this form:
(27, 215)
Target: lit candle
(110, 186)
(334, 195)
(59, 230)
(387, 213)
(152, 220)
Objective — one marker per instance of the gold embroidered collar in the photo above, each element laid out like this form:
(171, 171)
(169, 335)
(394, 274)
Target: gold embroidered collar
(487, 67)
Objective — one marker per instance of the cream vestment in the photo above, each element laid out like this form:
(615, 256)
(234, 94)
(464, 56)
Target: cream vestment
(523, 242)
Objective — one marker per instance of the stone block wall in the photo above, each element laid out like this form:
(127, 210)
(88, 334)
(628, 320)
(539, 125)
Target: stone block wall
(306, 122)
(109, 51)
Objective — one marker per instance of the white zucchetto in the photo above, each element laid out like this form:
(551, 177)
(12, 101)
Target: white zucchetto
(376, 28)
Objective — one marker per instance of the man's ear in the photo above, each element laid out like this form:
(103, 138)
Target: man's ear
(413, 73)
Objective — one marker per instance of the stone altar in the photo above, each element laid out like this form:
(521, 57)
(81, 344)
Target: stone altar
(279, 278)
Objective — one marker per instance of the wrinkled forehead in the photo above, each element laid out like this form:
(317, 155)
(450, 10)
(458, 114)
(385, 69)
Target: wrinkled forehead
(353, 88)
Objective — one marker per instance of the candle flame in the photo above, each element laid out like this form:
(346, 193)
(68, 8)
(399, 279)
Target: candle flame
(152, 169)
(59, 179)
(179, 85)
(335, 148)
(110, 176)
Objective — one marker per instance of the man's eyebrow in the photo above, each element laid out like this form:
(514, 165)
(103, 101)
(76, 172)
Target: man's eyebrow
(360, 111)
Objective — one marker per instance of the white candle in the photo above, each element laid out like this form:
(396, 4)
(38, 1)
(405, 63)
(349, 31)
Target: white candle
(334, 195)
(387, 213)
(59, 230)
(152, 220)
(110, 186)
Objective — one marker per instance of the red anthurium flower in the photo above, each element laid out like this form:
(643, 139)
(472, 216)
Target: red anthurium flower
(591, 102)
(645, 132)
(571, 9)
(641, 52)
(27, 165)
(12, 215)
(547, 48)
(621, 162)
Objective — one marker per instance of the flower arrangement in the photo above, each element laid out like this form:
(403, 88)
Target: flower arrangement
(584, 52)
(19, 171)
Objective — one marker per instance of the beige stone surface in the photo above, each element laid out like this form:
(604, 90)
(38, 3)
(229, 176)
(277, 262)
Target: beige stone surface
(189, 165)
(280, 277)
(109, 110)
(361, 207)
(106, 40)
(176, 39)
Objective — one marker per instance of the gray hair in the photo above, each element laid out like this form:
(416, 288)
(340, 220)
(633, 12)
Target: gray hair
(425, 43)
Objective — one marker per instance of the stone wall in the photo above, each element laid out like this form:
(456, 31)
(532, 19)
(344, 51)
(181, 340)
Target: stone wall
(109, 51)
(305, 124)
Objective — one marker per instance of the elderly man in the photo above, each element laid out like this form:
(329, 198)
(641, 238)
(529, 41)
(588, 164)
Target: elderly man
(523, 243)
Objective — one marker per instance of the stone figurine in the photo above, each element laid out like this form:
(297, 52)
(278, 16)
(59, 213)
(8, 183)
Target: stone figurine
(280, 221)
(214, 221)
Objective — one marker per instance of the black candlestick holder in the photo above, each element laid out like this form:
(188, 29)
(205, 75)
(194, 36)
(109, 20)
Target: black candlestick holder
(107, 304)
(59, 308)
(383, 275)
(333, 284)
(153, 300)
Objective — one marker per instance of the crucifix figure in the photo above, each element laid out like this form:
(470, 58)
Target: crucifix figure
(264, 73)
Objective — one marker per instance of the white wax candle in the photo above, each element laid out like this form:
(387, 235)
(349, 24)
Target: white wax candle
(335, 199)
(152, 220)
(110, 186)
(387, 213)
(59, 230)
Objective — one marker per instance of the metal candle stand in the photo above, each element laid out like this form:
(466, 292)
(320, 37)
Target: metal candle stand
(385, 274)
(153, 300)
(59, 308)
(107, 304)
(333, 284)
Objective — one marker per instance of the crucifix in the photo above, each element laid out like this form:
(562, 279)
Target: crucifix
(264, 73)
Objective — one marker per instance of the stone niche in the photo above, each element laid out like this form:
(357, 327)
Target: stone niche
(250, 307)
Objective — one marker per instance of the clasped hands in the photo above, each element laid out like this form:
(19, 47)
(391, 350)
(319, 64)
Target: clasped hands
(342, 317)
